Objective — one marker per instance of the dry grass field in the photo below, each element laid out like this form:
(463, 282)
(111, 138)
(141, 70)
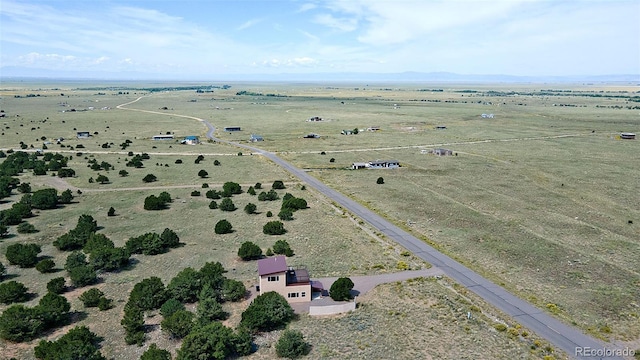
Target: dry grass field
(542, 199)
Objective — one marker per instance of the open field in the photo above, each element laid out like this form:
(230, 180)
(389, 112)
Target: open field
(542, 198)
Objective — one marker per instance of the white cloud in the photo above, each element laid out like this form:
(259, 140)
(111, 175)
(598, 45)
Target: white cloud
(248, 24)
(341, 24)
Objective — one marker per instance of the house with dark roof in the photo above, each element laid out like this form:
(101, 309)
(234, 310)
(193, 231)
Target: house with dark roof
(293, 283)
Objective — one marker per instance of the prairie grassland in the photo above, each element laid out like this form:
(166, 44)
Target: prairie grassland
(545, 216)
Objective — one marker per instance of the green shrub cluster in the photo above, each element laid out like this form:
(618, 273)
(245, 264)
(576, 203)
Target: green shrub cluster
(23, 255)
(153, 243)
(78, 343)
(78, 236)
(159, 202)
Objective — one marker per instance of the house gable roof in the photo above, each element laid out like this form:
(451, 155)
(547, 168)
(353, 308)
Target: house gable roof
(273, 265)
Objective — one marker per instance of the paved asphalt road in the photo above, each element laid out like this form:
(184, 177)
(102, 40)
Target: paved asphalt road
(564, 337)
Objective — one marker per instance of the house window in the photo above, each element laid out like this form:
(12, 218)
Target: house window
(293, 295)
(304, 294)
(273, 278)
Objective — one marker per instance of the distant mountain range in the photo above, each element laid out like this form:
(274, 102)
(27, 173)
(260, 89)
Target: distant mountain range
(13, 72)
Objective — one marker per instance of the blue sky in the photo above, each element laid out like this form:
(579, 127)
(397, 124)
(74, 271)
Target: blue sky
(212, 37)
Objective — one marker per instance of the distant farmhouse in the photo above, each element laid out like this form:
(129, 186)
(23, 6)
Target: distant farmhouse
(373, 128)
(377, 164)
(232, 128)
(190, 140)
(438, 151)
(83, 135)
(255, 137)
(162, 137)
(293, 283)
(314, 118)
(311, 136)
(628, 136)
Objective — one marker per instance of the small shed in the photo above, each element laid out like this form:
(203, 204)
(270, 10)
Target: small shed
(628, 136)
(255, 137)
(83, 135)
(311, 136)
(232, 128)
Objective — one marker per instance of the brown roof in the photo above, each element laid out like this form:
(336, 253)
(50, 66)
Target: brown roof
(273, 265)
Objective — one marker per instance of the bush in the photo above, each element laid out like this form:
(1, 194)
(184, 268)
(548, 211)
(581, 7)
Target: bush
(54, 309)
(249, 251)
(111, 212)
(83, 275)
(250, 208)
(12, 292)
(178, 161)
(148, 294)
(185, 286)
(216, 163)
(214, 341)
(102, 179)
(251, 191)
(56, 285)
(213, 194)
(19, 323)
(233, 290)
(45, 266)
(23, 255)
(285, 215)
(123, 173)
(133, 323)
(205, 185)
(195, 193)
(223, 227)
(380, 180)
(258, 186)
(104, 304)
(269, 214)
(2, 270)
(152, 202)
(171, 306)
(232, 188)
(155, 353)
(109, 259)
(213, 205)
(210, 310)
(268, 311)
(278, 185)
(149, 178)
(274, 228)
(227, 205)
(203, 173)
(78, 343)
(179, 324)
(282, 247)
(66, 197)
(341, 289)
(268, 196)
(291, 345)
(44, 199)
